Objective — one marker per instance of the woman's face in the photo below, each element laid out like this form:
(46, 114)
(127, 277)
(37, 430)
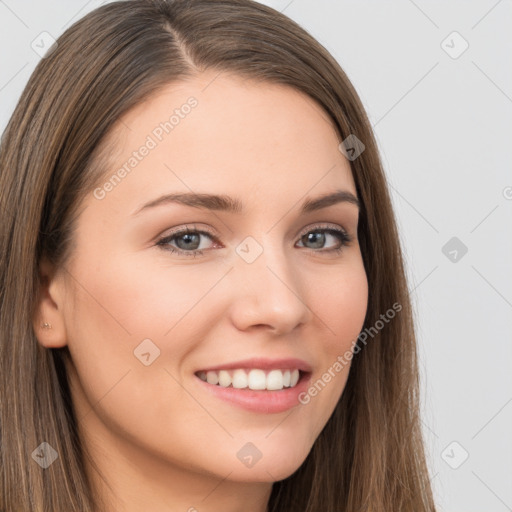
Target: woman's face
(260, 287)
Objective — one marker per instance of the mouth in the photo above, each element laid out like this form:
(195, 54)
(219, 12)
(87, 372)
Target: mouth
(255, 379)
(260, 391)
(259, 385)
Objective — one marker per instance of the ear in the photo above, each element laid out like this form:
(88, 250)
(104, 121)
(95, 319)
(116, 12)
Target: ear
(49, 308)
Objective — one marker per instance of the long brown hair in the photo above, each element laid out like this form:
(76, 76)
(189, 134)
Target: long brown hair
(370, 456)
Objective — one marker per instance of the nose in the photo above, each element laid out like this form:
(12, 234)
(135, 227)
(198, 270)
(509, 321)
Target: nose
(269, 293)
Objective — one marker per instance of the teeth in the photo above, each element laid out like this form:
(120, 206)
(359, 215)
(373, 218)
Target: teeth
(224, 379)
(254, 379)
(212, 378)
(240, 380)
(275, 380)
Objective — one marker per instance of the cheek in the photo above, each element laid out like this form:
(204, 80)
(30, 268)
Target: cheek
(117, 305)
(120, 303)
(341, 302)
(136, 299)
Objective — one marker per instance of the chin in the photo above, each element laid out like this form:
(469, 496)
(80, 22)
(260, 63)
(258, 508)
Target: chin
(273, 468)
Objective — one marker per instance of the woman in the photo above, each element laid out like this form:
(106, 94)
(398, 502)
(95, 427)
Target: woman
(197, 230)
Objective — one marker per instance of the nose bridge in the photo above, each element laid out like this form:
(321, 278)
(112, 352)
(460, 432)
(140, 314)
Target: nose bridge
(270, 290)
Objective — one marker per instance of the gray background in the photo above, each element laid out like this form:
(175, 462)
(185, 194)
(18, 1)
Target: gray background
(443, 121)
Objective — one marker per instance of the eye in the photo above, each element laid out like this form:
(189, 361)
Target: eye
(187, 241)
(320, 235)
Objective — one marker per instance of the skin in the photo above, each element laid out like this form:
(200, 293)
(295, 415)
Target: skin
(160, 441)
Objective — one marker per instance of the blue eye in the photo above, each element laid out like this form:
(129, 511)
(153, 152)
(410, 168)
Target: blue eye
(187, 242)
(318, 237)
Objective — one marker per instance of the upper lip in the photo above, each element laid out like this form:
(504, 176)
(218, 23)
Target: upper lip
(263, 363)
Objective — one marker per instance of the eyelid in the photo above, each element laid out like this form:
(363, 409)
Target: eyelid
(184, 228)
(214, 234)
(323, 225)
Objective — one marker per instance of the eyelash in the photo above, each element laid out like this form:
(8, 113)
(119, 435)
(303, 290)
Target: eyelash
(342, 236)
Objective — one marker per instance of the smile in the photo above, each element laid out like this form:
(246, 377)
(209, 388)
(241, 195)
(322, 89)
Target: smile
(254, 379)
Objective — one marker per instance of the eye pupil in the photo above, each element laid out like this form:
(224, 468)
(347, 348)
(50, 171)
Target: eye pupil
(188, 237)
(316, 238)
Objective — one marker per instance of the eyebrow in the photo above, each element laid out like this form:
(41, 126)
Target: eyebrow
(234, 205)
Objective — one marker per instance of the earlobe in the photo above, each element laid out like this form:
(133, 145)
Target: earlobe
(48, 322)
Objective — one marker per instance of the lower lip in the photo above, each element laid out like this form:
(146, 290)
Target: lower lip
(263, 401)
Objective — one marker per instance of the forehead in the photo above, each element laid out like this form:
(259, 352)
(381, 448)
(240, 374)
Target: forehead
(223, 133)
